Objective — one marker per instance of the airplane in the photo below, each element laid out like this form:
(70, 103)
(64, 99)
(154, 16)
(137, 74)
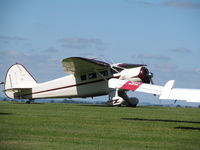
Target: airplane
(90, 78)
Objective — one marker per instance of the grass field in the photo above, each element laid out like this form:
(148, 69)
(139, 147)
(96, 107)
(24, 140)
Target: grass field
(50, 126)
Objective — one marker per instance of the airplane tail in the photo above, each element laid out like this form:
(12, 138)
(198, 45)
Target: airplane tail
(18, 82)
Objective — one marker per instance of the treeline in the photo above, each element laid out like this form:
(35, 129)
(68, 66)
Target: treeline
(75, 101)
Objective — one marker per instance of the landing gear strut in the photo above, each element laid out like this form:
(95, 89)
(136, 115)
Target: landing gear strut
(114, 99)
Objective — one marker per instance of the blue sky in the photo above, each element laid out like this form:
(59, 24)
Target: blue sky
(164, 34)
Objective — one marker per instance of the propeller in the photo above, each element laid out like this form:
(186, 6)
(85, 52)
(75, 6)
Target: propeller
(150, 75)
(145, 75)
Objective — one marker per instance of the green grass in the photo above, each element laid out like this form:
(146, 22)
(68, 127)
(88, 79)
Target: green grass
(75, 127)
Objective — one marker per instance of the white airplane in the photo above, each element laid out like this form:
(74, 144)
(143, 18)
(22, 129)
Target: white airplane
(90, 78)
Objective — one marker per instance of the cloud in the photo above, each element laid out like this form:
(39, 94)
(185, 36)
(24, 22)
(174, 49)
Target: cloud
(140, 2)
(43, 67)
(12, 38)
(81, 43)
(197, 70)
(191, 4)
(180, 50)
(51, 50)
(165, 67)
(145, 3)
(153, 57)
(183, 4)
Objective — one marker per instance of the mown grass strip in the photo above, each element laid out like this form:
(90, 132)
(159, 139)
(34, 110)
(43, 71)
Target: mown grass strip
(77, 126)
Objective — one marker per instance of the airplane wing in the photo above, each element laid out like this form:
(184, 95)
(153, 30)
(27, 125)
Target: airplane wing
(79, 65)
(167, 92)
(128, 66)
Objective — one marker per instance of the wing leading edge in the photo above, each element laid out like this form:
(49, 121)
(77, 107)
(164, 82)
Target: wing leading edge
(167, 92)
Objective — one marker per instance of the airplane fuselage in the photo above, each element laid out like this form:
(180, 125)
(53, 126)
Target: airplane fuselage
(90, 78)
(85, 85)
(69, 87)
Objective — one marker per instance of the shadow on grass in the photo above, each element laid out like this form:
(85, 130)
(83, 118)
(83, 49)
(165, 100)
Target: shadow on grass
(148, 107)
(28, 104)
(2, 113)
(106, 105)
(187, 128)
(161, 120)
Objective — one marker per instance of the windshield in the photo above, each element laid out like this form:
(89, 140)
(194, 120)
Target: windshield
(115, 69)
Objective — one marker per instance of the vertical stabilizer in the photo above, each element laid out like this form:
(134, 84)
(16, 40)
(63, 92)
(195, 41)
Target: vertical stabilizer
(17, 80)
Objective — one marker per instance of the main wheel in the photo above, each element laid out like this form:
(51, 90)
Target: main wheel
(28, 102)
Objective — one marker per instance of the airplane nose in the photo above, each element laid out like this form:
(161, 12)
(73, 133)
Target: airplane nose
(145, 75)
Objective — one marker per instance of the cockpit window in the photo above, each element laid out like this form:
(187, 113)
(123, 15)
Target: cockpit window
(116, 69)
(83, 77)
(92, 75)
(104, 73)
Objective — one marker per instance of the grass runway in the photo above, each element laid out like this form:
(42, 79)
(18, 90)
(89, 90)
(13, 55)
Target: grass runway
(57, 126)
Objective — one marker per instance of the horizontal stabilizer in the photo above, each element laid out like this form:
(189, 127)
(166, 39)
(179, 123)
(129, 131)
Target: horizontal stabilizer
(16, 89)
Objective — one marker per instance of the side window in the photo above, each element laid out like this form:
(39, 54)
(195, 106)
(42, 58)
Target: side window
(83, 77)
(116, 70)
(104, 73)
(92, 75)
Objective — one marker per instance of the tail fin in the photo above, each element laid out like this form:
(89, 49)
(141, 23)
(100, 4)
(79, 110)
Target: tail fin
(18, 81)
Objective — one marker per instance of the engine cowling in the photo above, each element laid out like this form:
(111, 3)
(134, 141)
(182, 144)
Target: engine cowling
(145, 75)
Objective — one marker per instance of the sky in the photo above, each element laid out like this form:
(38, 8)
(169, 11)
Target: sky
(164, 34)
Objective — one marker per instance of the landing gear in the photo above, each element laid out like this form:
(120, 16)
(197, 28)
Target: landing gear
(120, 98)
(114, 99)
(28, 102)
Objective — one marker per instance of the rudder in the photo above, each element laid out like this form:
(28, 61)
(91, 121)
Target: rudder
(17, 80)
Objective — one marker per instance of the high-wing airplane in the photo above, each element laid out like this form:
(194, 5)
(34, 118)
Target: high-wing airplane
(90, 78)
